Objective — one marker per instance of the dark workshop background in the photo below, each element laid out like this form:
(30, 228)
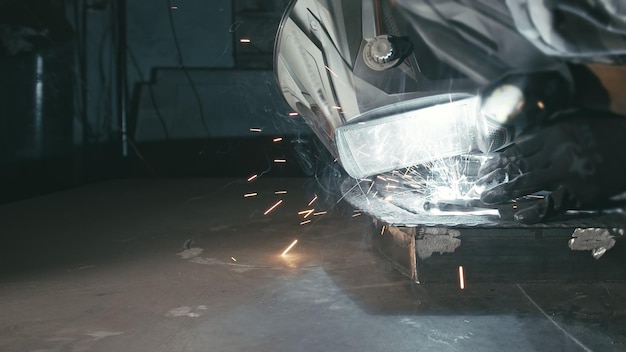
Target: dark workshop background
(100, 89)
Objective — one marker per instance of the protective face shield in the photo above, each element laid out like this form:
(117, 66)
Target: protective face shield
(371, 81)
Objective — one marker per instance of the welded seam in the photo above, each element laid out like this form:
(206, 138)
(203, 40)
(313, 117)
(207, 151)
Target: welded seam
(576, 341)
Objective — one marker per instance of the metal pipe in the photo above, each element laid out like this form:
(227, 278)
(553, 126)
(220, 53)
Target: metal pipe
(38, 107)
(122, 76)
(82, 83)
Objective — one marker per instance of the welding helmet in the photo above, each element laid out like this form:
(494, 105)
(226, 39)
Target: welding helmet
(387, 84)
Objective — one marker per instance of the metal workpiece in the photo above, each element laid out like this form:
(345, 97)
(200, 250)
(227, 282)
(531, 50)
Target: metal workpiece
(428, 255)
(406, 209)
(406, 246)
(434, 240)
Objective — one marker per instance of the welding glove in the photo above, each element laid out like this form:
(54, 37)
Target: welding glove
(580, 159)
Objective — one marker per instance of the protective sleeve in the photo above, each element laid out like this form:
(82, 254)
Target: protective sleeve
(588, 31)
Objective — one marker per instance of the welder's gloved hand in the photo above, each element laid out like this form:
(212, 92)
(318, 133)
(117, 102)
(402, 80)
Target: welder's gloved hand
(581, 159)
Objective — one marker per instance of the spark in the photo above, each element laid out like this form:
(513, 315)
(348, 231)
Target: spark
(280, 192)
(293, 113)
(313, 200)
(335, 160)
(461, 278)
(233, 259)
(357, 214)
(252, 178)
(290, 247)
(320, 213)
(248, 195)
(331, 71)
(273, 207)
(278, 139)
(305, 222)
(308, 212)
(256, 130)
(414, 186)
(174, 7)
(540, 104)
(366, 180)
(245, 41)
(337, 107)
(280, 160)
(382, 230)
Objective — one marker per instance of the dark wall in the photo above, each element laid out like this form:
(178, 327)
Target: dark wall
(60, 125)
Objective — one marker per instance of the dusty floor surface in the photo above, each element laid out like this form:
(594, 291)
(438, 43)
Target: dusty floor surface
(194, 265)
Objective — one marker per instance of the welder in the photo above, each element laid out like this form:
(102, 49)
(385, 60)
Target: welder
(537, 85)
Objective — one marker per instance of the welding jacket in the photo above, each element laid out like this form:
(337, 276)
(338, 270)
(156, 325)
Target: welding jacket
(486, 39)
(588, 31)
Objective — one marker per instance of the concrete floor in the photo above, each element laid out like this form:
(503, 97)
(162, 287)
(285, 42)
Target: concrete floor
(193, 265)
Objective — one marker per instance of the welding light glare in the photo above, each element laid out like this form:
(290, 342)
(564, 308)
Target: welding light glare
(413, 137)
(290, 247)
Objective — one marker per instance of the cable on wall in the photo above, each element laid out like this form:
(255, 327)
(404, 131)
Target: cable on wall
(182, 67)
